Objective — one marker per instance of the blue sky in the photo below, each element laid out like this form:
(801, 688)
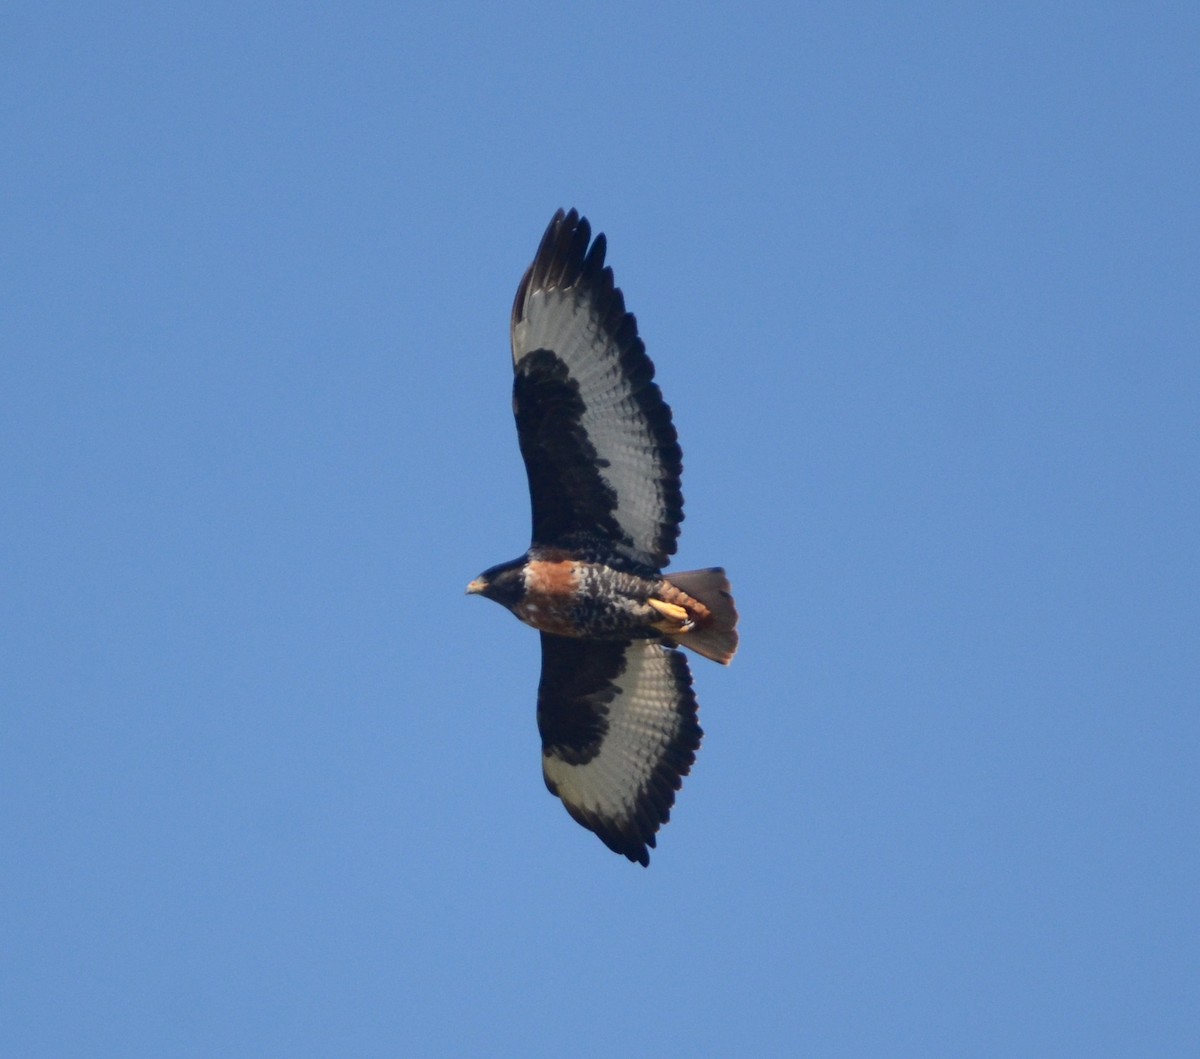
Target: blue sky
(922, 283)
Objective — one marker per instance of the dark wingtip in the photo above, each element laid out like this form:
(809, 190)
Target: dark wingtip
(562, 256)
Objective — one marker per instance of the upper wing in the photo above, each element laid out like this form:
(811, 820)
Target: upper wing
(599, 446)
(619, 733)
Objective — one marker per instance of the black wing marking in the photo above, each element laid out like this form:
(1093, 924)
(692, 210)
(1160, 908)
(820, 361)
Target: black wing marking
(600, 449)
(619, 728)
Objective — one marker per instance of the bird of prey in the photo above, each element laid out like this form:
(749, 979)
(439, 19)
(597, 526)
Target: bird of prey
(615, 706)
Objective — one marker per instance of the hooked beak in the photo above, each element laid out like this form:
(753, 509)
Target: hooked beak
(476, 587)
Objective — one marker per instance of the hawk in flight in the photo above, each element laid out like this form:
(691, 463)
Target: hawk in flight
(615, 707)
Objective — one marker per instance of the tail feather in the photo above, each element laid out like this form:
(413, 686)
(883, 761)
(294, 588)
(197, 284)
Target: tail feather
(716, 635)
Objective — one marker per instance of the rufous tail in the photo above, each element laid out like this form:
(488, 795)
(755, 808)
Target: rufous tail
(714, 634)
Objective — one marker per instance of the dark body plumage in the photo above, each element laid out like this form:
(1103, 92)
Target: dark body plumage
(616, 710)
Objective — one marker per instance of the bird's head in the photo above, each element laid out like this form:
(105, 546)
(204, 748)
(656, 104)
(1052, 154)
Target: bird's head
(504, 583)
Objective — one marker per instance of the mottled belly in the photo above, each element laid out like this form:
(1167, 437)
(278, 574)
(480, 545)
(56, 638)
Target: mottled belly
(567, 597)
(549, 613)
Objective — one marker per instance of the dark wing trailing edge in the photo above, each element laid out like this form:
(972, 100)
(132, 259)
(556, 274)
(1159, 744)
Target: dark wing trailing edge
(619, 732)
(599, 446)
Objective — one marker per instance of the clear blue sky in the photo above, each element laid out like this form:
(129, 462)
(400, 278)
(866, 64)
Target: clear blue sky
(922, 283)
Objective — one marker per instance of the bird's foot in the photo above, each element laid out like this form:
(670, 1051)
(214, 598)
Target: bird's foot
(676, 619)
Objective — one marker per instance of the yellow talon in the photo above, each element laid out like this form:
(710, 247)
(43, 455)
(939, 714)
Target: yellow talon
(668, 610)
(676, 619)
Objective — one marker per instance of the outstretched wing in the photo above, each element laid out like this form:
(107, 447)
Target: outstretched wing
(619, 733)
(599, 446)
